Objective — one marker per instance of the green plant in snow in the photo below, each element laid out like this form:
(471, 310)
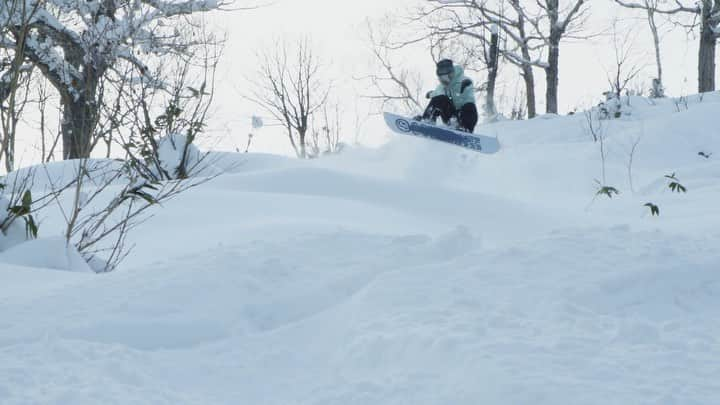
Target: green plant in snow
(607, 190)
(21, 209)
(654, 209)
(675, 185)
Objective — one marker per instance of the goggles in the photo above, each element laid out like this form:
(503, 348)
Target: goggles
(446, 78)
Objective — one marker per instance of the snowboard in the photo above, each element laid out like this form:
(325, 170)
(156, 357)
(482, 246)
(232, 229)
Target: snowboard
(408, 126)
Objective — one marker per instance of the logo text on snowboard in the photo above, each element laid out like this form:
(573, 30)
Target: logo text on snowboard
(402, 125)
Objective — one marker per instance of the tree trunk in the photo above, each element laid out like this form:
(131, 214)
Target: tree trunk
(527, 69)
(656, 42)
(529, 77)
(492, 61)
(78, 124)
(80, 115)
(303, 150)
(706, 59)
(13, 110)
(10, 147)
(552, 72)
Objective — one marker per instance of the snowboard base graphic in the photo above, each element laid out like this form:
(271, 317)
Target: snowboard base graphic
(408, 126)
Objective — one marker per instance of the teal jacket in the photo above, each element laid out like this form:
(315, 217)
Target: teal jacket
(460, 90)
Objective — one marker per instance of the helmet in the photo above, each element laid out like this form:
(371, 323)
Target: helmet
(445, 67)
(445, 71)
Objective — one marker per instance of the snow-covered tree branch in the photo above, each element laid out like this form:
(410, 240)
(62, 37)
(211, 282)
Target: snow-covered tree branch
(77, 43)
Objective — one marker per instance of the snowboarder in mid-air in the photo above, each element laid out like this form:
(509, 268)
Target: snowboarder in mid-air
(453, 98)
(454, 102)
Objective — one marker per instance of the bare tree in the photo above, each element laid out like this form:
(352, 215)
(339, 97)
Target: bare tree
(651, 10)
(625, 68)
(332, 128)
(111, 197)
(532, 28)
(457, 29)
(480, 51)
(326, 136)
(11, 113)
(652, 6)
(399, 88)
(560, 22)
(107, 199)
(171, 120)
(521, 46)
(49, 139)
(16, 17)
(291, 87)
(76, 43)
(492, 59)
(709, 34)
(703, 13)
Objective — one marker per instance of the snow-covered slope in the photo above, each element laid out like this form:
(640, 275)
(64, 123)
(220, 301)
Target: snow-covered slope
(416, 273)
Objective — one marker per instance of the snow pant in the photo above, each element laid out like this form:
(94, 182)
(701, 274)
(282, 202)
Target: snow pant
(441, 106)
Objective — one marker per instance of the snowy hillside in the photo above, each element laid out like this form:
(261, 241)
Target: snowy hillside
(415, 273)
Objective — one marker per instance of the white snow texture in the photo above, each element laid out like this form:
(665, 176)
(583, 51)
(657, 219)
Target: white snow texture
(414, 273)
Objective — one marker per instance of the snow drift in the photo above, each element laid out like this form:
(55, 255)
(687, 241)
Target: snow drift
(416, 273)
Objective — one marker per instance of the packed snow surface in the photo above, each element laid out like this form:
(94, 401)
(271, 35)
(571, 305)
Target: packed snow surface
(416, 273)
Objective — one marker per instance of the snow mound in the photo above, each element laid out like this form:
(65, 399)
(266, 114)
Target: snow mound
(414, 273)
(170, 152)
(46, 253)
(55, 175)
